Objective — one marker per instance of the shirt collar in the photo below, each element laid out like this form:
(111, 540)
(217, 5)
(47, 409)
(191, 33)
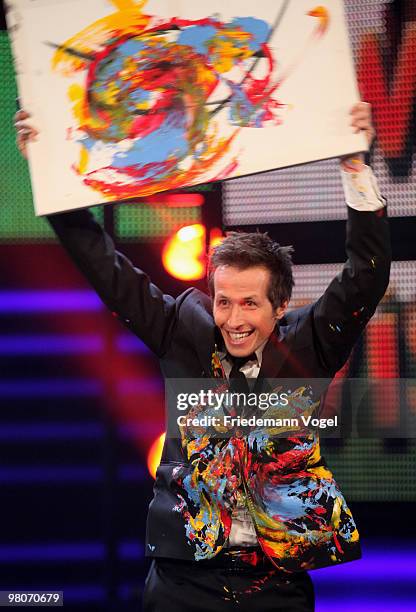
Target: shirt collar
(223, 355)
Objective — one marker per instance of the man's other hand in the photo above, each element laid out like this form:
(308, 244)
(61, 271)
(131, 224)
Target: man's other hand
(361, 121)
(24, 131)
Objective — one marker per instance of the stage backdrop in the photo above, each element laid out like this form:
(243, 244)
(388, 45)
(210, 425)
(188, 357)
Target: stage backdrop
(384, 45)
(132, 98)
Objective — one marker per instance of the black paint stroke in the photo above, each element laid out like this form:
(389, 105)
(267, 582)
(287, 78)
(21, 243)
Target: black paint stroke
(276, 24)
(85, 56)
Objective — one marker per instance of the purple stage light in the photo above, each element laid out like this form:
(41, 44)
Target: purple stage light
(58, 551)
(50, 345)
(50, 388)
(133, 473)
(16, 302)
(131, 550)
(50, 474)
(140, 385)
(23, 432)
(128, 343)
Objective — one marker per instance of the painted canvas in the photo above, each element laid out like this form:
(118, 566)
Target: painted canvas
(134, 97)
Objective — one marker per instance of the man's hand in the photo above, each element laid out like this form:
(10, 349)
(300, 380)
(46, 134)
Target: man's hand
(361, 121)
(24, 131)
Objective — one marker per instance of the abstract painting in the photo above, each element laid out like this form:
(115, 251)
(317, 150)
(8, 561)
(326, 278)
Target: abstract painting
(135, 97)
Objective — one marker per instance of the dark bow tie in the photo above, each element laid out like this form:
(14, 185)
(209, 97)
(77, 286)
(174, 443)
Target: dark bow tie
(238, 363)
(238, 381)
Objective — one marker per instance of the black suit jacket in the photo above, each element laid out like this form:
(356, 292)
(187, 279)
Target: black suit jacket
(301, 518)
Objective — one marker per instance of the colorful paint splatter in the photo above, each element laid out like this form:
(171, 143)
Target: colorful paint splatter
(147, 114)
(299, 513)
(297, 508)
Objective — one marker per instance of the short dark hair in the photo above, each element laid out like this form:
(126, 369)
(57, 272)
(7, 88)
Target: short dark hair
(244, 250)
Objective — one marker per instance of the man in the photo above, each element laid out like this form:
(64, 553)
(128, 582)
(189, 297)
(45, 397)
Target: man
(235, 522)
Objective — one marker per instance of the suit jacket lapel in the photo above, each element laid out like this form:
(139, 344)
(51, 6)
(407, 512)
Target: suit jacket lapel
(275, 354)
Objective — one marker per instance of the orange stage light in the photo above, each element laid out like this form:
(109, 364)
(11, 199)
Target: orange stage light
(155, 453)
(183, 255)
(215, 237)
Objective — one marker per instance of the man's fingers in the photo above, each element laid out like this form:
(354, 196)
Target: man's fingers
(21, 124)
(361, 114)
(361, 120)
(362, 124)
(28, 132)
(24, 133)
(361, 107)
(21, 115)
(25, 130)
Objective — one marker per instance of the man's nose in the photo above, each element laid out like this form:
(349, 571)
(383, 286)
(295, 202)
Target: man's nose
(235, 318)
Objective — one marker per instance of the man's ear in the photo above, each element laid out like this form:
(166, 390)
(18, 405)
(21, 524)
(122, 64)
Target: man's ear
(280, 312)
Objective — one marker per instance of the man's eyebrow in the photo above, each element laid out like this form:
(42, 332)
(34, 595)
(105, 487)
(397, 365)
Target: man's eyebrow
(253, 296)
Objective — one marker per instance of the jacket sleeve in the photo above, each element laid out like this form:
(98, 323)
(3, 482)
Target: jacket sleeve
(126, 290)
(350, 300)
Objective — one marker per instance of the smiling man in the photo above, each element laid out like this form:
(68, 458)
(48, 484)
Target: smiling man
(235, 523)
(250, 279)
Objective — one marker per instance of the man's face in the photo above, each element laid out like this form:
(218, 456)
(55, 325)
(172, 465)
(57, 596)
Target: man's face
(242, 310)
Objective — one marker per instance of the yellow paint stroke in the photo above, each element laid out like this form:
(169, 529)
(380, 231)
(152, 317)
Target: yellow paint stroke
(127, 20)
(127, 5)
(83, 160)
(323, 19)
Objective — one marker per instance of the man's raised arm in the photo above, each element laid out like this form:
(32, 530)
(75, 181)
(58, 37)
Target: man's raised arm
(350, 300)
(126, 290)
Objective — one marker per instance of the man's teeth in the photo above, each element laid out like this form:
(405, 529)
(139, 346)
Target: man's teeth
(239, 336)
